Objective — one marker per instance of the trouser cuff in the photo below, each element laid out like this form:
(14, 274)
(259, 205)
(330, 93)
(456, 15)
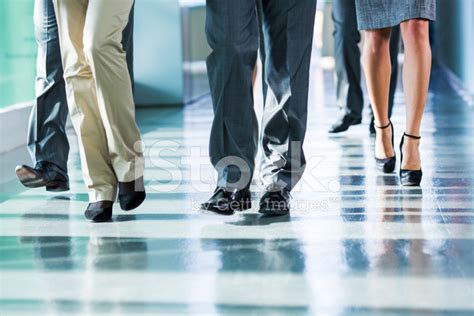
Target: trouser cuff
(96, 196)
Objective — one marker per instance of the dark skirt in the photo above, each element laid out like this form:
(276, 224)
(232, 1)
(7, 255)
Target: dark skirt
(378, 14)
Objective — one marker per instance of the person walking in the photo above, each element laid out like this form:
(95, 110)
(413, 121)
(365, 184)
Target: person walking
(47, 140)
(233, 34)
(377, 18)
(100, 99)
(350, 97)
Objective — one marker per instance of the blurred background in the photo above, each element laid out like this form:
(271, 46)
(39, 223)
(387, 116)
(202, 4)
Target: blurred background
(178, 44)
(170, 52)
(358, 244)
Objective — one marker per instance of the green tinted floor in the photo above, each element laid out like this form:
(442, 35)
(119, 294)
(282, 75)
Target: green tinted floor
(356, 242)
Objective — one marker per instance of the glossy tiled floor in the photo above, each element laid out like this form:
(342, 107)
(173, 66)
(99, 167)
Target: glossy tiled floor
(356, 243)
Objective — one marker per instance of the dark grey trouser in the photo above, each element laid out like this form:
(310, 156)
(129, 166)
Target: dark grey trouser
(47, 140)
(350, 97)
(232, 32)
(261, 44)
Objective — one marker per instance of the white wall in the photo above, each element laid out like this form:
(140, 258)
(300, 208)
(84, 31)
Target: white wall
(14, 126)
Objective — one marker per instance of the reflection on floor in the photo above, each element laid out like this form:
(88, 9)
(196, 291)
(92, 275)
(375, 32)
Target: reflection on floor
(356, 243)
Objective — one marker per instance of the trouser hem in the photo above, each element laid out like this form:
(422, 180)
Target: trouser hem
(59, 169)
(95, 196)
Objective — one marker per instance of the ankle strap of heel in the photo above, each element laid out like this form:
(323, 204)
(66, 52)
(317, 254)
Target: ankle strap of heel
(384, 127)
(411, 136)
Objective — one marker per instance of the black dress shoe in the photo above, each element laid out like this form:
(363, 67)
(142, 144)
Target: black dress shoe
(131, 194)
(99, 211)
(275, 203)
(409, 177)
(226, 203)
(344, 123)
(386, 165)
(44, 174)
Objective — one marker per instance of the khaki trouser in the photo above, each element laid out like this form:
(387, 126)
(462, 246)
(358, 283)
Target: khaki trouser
(99, 92)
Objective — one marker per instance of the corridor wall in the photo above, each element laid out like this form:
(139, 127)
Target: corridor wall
(455, 39)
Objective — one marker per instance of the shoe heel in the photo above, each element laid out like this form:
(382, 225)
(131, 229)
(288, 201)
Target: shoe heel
(58, 187)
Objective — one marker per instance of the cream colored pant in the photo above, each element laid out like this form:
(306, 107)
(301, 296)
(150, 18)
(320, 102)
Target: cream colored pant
(99, 92)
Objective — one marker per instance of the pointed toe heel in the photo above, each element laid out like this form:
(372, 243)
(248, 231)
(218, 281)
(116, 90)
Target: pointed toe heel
(411, 178)
(386, 165)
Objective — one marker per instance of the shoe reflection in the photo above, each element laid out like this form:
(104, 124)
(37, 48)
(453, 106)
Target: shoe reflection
(277, 257)
(114, 253)
(253, 219)
(402, 209)
(51, 253)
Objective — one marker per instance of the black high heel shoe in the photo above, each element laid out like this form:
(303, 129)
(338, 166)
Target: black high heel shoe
(386, 165)
(409, 177)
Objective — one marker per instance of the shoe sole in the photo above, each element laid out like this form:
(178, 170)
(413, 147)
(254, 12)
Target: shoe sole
(344, 130)
(274, 213)
(411, 184)
(105, 216)
(57, 187)
(105, 220)
(242, 207)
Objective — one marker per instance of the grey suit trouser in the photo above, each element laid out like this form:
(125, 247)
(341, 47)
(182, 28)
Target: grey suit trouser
(350, 97)
(47, 140)
(233, 34)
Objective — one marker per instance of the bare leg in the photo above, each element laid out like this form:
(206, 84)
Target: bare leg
(416, 76)
(377, 68)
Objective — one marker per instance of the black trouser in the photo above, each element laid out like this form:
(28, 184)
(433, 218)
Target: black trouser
(232, 32)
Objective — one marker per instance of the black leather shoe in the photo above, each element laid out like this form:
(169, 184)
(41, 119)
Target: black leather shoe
(275, 203)
(386, 165)
(44, 174)
(409, 177)
(131, 194)
(99, 211)
(226, 203)
(344, 123)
